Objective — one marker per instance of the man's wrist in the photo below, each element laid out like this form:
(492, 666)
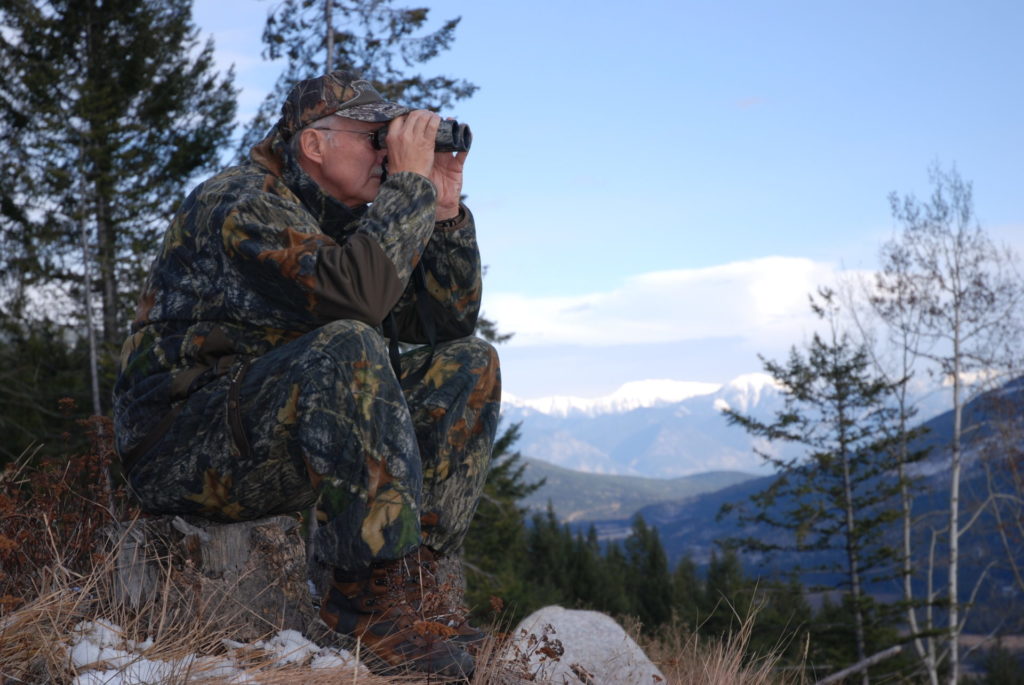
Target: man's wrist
(451, 219)
(448, 212)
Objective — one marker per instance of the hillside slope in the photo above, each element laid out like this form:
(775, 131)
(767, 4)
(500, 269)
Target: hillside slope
(577, 496)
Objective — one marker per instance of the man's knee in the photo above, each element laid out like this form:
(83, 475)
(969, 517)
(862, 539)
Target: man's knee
(474, 353)
(343, 349)
(487, 361)
(346, 335)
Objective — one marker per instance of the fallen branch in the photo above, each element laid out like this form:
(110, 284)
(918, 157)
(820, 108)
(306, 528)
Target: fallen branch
(861, 665)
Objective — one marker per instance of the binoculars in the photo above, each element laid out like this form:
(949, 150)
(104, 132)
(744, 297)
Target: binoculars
(451, 137)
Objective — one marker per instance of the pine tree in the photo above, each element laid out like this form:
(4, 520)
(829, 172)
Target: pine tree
(784, 620)
(686, 593)
(43, 377)
(110, 107)
(839, 495)
(727, 597)
(616, 569)
(586, 579)
(372, 38)
(649, 582)
(495, 546)
(106, 110)
(547, 547)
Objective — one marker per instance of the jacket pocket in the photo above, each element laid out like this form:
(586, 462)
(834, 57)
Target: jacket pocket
(235, 410)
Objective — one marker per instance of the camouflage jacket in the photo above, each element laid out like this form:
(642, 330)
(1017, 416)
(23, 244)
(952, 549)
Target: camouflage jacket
(258, 255)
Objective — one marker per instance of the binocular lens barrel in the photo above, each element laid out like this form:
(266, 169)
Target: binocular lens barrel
(451, 137)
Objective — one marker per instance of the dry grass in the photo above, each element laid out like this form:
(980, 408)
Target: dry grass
(54, 577)
(35, 638)
(686, 657)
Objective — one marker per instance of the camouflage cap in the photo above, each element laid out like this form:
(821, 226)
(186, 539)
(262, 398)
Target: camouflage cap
(338, 92)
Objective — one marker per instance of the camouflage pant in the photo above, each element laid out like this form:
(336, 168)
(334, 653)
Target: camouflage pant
(324, 417)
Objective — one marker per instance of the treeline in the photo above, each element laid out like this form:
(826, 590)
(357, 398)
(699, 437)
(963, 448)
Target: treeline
(518, 562)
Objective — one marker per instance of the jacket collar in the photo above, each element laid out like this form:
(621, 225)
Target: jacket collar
(275, 155)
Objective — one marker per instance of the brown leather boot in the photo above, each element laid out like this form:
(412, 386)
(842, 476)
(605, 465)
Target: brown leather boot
(374, 609)
(439, 604)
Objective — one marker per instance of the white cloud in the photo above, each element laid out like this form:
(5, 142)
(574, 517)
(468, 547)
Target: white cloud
(763, 299)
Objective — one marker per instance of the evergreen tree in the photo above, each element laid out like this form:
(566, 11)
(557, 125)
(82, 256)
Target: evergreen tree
(547, 549)
(495, 546)
(727, 599)
(43, 377)
(784, 620)
(687, 591)
(587, 578)
(840, 495)
(617, 572)
(650, 585)
(372, 38)
(108, 108)
(830, 646)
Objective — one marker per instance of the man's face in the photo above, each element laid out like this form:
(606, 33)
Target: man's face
(351, 166)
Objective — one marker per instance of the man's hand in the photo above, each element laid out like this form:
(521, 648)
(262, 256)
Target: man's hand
(411, 142)
(447, 178)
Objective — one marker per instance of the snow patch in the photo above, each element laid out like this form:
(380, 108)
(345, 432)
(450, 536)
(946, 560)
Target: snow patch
(745, 392)
(99, 653)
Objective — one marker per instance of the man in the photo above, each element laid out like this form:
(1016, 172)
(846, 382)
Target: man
(258, 379)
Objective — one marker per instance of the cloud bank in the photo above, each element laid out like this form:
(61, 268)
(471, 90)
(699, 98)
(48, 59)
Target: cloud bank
(763, 299)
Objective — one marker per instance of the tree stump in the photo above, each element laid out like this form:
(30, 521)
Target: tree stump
(241, 580)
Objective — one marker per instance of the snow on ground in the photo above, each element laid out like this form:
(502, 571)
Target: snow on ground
(100, 653)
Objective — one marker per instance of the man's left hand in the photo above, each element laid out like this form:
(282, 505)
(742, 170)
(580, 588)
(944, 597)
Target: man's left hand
(447, 178)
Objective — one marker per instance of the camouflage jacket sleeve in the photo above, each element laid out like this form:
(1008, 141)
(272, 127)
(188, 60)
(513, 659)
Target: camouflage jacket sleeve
(451, 286)
(288, 260)
(401, 220)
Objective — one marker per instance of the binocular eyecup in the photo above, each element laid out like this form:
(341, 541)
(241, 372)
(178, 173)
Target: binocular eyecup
(451, 137)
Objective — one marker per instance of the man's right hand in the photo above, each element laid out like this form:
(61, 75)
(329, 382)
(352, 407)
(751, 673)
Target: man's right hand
(410, 142)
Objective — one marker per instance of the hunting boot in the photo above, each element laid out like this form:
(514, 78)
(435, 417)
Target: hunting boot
(441, 604)
(372, 608)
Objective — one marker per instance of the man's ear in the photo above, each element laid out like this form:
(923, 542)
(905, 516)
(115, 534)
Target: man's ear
(311, 145)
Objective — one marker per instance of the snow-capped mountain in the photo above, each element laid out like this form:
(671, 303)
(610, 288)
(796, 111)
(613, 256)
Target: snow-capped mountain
(655, 428)
(632, 395)
(661, 428)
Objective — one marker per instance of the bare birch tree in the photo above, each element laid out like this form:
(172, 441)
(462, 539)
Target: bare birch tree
(946, 284)
(896, 351)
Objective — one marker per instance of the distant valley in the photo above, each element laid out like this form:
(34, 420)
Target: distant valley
(576, 496)
(685, 509)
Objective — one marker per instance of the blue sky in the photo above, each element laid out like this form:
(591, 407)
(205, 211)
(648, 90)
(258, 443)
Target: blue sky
(658, 185)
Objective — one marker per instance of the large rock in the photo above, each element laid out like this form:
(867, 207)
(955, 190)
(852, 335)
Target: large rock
(571, 646)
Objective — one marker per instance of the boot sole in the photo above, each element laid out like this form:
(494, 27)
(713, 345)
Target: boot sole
(380, 666)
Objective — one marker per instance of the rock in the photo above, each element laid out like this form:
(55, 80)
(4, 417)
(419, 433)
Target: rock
(594, 649)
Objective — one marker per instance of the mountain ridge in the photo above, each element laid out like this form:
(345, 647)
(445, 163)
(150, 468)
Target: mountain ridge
(645, 429)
